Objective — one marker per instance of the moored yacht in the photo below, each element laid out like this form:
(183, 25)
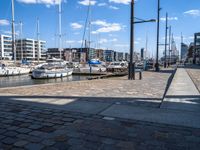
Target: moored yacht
(13, 71)
(52, 69)
(93, 66)
(117, 67)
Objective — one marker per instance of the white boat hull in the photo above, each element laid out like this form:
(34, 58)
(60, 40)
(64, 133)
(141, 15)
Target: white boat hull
(36, 74)
(13, 71)
(92, 70)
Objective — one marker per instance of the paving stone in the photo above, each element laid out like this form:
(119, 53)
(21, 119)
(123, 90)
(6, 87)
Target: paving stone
(108, 141)
(20, 143)
(92, 145)
(75, 141)
(47, 129)
(1, 137)
(34, 139)
(35, 126)
(23, 136)
(126, 145)
(10, 133)
(48, 142)
(49, 148)
(8, 140)
(61, 138)
(61, 145)
(77, 147)
(13, 128)
(36, 133)
(2, 131)
(33, 146)
(24, 130)
(68, 119)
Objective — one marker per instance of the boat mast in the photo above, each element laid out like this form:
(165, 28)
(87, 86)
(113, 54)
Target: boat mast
(60, 29)
(13, 33)
(38, 41)
(21, 40)
(89, 26)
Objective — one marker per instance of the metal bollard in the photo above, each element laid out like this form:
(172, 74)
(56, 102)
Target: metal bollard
(140, 75)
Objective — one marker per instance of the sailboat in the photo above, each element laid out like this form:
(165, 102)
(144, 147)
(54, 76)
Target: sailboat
(12, 71)
(53, 68)
(93, 65)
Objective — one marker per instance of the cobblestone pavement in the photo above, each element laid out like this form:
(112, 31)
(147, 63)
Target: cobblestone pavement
(195, 75)
(151, 86)
(28, 127)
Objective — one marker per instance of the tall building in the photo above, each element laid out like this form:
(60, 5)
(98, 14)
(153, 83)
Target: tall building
(174, 55)
(109, 55)
(28, 49)
(54, 53)
(127, 57)
(92, 53)
(119, 56)
(76, 54)
(196, 52)
(190, 53)
(100, 55)
(6, 47)
(184, 51)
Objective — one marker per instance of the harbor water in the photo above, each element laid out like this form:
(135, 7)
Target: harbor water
(14, 81)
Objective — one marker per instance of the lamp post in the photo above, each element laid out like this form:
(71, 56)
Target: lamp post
(131, 70)
(165, 63)
(170, 28)
(158, 32)
(131, 73)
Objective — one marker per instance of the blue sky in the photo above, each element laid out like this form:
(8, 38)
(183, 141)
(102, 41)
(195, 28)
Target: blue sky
(110, 21)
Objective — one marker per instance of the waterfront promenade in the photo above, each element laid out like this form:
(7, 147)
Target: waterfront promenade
(107, 114)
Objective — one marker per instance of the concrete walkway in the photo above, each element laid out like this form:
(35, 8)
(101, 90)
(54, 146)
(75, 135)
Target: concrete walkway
(181, 105)
(182, 93)
(182, 84)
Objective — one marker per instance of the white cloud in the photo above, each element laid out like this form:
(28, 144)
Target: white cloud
(48, 3)
(106, 27)
(169, 18)
(121, 45)
(113, 7)
(4, 22)
(113, 27)
(114, 40)
(102, 4)
(70, 42)
(87, 2)
(100, 23)
(76, 25)
(126, 2)
(193, 12)
(101, 41)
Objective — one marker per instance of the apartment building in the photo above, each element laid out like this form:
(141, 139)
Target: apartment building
(6, 47)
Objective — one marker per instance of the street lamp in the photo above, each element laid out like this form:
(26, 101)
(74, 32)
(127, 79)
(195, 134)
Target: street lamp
(131, 70)
(166, 28)
(158, 32)
(143, 21)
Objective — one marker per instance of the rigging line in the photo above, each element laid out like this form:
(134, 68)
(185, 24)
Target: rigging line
(85, 27)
